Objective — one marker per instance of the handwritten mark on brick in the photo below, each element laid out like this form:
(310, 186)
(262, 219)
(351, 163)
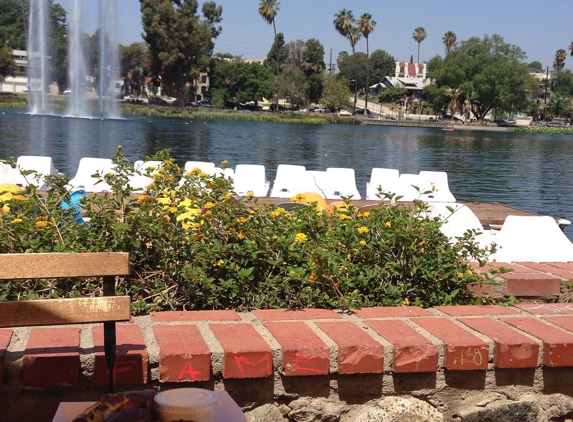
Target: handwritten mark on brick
(243, 362)
(301, 364)
(188, 370)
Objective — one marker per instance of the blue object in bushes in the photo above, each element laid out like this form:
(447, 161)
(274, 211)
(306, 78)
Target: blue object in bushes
(75, 204)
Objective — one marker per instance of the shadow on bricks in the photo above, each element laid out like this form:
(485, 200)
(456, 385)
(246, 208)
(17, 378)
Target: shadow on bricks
(249, 391)
(406, 383)
(307, 386)
(553, 380)
(523, 376)
(359, 388)
(467, 380)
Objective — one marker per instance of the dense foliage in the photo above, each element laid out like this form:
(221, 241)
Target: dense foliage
(194, 245)
(481, 74)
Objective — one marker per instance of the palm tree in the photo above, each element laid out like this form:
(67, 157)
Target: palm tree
(449, 39)
(559, 62)
(345, 24)
(419, 35)
(366, 26)
(268, 10)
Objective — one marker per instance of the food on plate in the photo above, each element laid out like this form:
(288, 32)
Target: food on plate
(129, 406)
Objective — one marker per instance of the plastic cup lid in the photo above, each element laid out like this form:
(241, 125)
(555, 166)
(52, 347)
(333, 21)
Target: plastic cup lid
(186, 400)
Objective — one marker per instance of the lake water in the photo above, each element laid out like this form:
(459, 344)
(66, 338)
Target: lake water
(533, 172)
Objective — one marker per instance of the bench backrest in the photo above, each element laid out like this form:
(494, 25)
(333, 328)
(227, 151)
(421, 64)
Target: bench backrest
(107, 309)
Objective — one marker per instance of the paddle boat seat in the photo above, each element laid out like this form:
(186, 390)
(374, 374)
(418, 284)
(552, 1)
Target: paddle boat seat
(437, 182)
(42, 166)
(86, 168)
(288, 181)
(341, 182)
(382, 180)
(140, 180)
(251, 178)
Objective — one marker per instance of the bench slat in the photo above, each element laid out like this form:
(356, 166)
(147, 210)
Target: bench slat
(26, 313)
(63, 265)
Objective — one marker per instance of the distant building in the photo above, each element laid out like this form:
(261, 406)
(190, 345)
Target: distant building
(414, 86)
(544, 79)
(19, 82)
(410, 70)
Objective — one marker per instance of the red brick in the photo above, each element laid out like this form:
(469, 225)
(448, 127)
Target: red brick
(565, 322)
(557, 345)
(517, 268)
(5, 336)
(481, 291)
(187, 316)
(463, 350)
(183, 354)
(52, 357)
(546, 308)
(402, 311)
(412, 351)
(358, 352)
(247, 354)
(511, 348)
(304, 353)
(564, 265)
(295, 315)
(532, 284)
(549, 268)
(131, 361)
(477, 310)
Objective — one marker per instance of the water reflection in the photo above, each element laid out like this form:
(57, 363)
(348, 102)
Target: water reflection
(529, 171)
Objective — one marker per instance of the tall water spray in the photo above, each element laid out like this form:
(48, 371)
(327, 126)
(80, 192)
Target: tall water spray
(108, 60)
(77, 67)
(39, 59)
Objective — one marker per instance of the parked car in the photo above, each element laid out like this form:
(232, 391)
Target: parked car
(157, 101)
(510, 122)
(205, 102)
(360, 112)
(67, 91)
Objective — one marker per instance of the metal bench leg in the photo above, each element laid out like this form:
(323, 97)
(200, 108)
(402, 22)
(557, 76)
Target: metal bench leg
(109, 332)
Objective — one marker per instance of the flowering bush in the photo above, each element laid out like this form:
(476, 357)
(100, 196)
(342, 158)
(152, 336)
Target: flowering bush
(193, 244)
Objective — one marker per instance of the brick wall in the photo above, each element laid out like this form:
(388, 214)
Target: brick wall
(458, 347)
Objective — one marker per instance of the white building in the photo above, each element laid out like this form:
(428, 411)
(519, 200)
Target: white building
(19, 82)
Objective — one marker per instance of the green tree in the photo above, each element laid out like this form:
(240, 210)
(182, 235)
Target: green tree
(365, 26)
(235, 80)
(485, 74)
(177, 40)
(214, 16)
(536, 64)
(382, 64)
(562, 83)
(355, 69)
(268, 10)
(559, 61)
(419, 35)
(307, 57)
(291, 85)
(278, 54)
(449, 39)
(335, 95)
(7, 65)
(345, 24)
(133, 60)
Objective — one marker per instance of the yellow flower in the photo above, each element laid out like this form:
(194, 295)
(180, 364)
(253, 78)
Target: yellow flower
(387, 224)
(343, 216)
(460, 275)
(218, 263)
(250, 194)
(312, 276)
(366, 214)
(406, 302)
(151, 168)
(16, 221)
(363, 242)
(173, 210)
(342, 268)
(469, 272)
(241, 220)
(363, 230)
(142, 199)
(228, 196)
(203, 175)
(241, 235)
(298, 197)
(42, 218)
(40, 224)
(195, 172)
(277, 212)
(300, 238)
(225, 162)
(209, 205)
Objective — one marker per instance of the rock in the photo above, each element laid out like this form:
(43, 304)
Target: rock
(265, 413)
(399, 409)
(315, 410)
(522, 411)
(554, 407)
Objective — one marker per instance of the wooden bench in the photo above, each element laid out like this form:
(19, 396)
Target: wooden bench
(107, 309)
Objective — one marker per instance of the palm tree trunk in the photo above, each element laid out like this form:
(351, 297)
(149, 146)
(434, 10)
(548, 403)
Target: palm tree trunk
(277, 69)
(418, 52)
(367, 77)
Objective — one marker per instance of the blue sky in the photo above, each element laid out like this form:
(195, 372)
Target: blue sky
(538, 27)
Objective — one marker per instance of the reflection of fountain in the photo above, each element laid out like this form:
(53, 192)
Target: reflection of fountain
(79, 73)
(38, 57)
